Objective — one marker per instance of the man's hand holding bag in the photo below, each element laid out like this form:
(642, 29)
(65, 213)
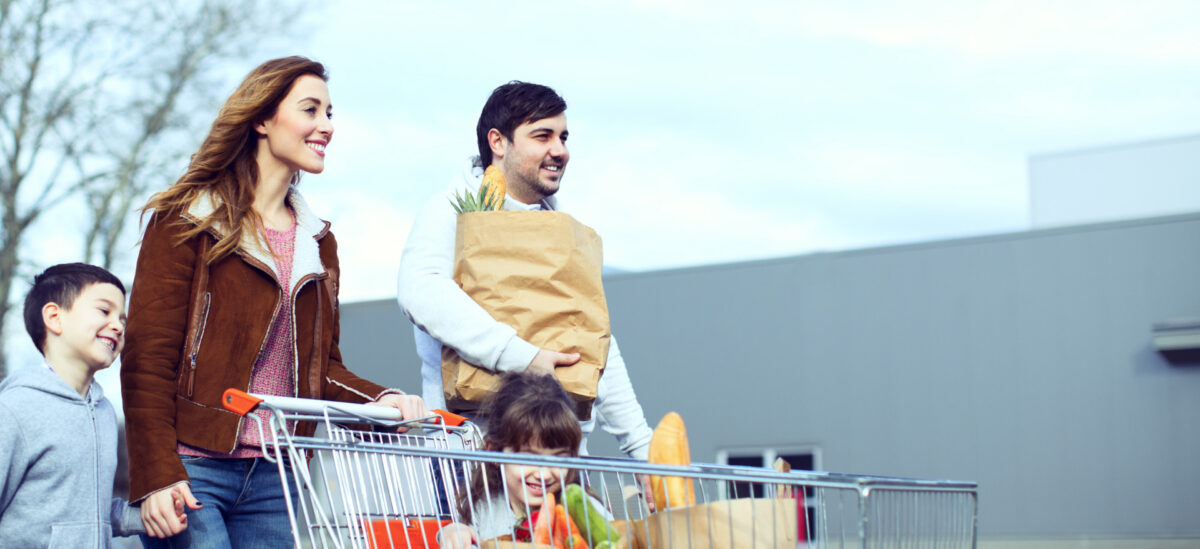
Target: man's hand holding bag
(539, 272)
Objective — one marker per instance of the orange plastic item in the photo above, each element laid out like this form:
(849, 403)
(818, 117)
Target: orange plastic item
(451, 419)
(421, 533)
(239, 402)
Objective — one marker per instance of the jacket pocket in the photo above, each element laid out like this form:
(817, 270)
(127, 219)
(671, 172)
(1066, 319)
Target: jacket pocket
(197, 341)
(74, 535)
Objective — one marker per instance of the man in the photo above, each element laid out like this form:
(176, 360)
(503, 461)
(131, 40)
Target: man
(522, 130)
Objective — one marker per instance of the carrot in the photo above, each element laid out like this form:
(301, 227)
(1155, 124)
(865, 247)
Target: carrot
(541, 528)
(566, 533)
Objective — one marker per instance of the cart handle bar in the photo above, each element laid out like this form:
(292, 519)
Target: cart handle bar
(243, 403)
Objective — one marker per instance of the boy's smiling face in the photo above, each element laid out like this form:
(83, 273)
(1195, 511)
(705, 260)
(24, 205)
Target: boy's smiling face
(93, 329)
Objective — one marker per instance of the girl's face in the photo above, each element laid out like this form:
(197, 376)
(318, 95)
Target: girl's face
(527, 485)
(297, 135)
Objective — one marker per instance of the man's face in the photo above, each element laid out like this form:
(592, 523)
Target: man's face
(535, 158)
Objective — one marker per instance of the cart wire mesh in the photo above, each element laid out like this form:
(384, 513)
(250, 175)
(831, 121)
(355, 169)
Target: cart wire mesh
(357, 483)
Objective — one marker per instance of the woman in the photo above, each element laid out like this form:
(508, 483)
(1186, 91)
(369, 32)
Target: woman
(236, 286)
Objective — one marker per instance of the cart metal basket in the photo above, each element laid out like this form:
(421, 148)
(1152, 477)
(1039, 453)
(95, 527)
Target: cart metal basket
(368, 486)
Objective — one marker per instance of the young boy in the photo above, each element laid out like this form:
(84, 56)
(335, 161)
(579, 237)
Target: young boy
(58, 434)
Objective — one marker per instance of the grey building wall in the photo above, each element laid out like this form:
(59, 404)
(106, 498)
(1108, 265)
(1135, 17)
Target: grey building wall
(1021, 361)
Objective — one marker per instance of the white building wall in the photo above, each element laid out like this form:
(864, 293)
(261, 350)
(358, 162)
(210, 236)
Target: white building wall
(1113, 183)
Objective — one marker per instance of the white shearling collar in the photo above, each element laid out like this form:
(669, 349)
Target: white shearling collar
(306, 258)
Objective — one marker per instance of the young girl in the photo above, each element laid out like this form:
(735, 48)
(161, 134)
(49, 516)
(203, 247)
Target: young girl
(236, 286)
(531, 414)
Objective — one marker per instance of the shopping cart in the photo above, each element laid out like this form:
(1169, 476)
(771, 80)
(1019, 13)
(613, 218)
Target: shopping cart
(368, 486)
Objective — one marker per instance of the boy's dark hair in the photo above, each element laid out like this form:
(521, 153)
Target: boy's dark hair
(527, 409)
(60, 284)
(511, 105)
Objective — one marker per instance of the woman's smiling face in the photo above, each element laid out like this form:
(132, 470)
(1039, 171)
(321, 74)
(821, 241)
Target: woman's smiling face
(301, 128)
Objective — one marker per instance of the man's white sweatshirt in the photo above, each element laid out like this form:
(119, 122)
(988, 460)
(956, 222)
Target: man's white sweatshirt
(443, 314)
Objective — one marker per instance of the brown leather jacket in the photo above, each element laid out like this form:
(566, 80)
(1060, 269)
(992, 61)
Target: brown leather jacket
(173, 372)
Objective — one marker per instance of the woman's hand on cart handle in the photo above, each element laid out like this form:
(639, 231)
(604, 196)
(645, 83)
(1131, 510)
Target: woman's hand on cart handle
(163, 512)
(410, 406)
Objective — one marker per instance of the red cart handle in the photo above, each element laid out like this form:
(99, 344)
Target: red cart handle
(240, 402)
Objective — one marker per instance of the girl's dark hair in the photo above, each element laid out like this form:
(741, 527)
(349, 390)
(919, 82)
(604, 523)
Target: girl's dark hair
(526, 410)
(511, 105)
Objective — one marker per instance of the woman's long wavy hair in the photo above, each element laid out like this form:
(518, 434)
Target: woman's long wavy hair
(225, 164)
(526, 409)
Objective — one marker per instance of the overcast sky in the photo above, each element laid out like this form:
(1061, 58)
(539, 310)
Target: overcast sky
(705, 133)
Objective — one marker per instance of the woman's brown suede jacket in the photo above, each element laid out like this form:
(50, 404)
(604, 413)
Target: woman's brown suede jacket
(188, 339)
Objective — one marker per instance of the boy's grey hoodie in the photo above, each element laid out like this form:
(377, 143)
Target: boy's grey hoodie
(58, 455)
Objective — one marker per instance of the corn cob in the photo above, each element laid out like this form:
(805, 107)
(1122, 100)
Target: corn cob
(489, 198)
(493, 179)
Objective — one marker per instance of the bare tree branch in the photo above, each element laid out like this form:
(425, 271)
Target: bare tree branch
(140, 70)
(195, 37)
(68, 192)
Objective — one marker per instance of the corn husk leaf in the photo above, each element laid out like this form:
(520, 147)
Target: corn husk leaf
(482, 201)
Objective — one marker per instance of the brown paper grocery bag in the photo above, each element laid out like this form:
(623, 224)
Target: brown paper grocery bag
(751, 523)
(632, 532)
(538, 272)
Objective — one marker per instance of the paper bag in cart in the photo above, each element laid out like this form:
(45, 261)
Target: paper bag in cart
(751, 523)
(538, 272)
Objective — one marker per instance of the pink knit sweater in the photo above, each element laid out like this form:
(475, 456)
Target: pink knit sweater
(274, 370)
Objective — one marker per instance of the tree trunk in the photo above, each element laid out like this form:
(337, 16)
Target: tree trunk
(8, 272)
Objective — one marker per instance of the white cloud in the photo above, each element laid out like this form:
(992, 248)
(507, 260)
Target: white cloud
(705, 132)
(370, 231)
(791, 127)
(1156, 31)
(707, 201)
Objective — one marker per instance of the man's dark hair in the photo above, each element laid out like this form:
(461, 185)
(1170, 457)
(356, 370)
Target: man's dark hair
(60, 284)
(511, 105)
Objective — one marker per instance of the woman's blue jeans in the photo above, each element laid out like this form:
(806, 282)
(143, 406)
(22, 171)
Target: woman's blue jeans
(243, 506)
